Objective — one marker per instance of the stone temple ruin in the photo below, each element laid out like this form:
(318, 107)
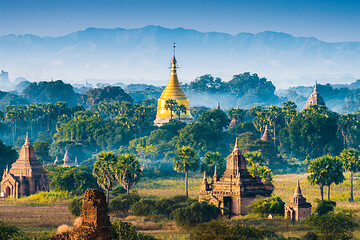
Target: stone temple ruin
(297, 209)
(95, 223)
(236, 189)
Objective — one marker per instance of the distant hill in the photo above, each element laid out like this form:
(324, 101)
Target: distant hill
(142, 55)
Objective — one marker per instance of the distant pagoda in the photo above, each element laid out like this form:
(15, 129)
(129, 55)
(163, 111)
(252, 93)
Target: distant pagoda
(172, 91)
(315, 98)
(297, 209)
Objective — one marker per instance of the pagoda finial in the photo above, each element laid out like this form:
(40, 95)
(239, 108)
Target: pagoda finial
(27, 142)
(174, 59)
(204, 179)
(315, 88)
(297, 192)
(218, 105)
(236, 147)
(215, 172)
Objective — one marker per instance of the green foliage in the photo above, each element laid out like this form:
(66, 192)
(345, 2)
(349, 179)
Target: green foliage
(197, 212)
(333, 225)
(209, 161)
(106, 94)
(50, 92)
(123, 202)
(351, 162)
(272, 205)
(125, 231)
(75, 206)
(128, 170)
(71, 179)
(144, 207)
(324, 206)
(324, 171)
(310, 236)
(104, 171)
(218, 230)
(206, 84)
(215, 119)
(8, 231)
(8, 155)
(41, 149)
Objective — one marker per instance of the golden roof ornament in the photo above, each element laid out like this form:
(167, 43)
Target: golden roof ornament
(172, 91)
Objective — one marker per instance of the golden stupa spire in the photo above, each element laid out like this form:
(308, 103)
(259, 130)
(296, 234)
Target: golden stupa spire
(172, 91)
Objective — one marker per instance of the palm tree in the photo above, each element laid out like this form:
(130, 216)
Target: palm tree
(180, 109)
(209, 161)
(170, 104)
(128, 170)
(351, 162)
(324, 171)
(273, 116)
(186, 160)
(104, 171)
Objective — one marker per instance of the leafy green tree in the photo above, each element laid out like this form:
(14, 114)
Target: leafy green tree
(209, 161)
(324, 206)
(128, 170)
(215, 118)
(272, 205)
(106, 94)
(8, 156)
(171, 104)
(351, 162)
(324, 171)
(333, 225)
(274, 117)
(197, 212)
(206, 84)
(186, 160)
(104, 171)
(237, 113)
(125, 231)
(73, 179)
(75, 206)
(41, 149)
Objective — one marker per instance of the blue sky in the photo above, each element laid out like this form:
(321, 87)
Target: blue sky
(330, 21)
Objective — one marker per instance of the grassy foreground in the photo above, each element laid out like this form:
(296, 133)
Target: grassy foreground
(44, 212)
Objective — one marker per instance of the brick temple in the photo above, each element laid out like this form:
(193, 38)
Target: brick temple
(236, 189)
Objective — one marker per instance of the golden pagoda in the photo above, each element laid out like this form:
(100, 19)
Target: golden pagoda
(172, 91)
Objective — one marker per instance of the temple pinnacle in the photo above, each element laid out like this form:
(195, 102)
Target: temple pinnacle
(297, 192)
(27, 142)
(236, 147)
(315, 88)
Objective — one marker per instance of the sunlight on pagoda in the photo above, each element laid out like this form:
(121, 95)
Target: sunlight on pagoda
(172, 91)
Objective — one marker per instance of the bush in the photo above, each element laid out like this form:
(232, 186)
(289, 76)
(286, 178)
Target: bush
(310, 236)
(8, 231)
(118, 191)
(125, 231)
(333, 225)
(324, 206)
(221, 230)
(123, 202)
(144, 207)
(75, 206)
(272, 205)
(194, 214)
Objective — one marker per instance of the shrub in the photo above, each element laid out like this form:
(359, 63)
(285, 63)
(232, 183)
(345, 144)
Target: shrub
(8, 231)
(75, 206)
(195, 213)
(324, 206)
(123, 202)
(144, 207)
(333, 225)
(310, 236)
(125, 231)
(221, 230)
(118, 191)
(272, 205)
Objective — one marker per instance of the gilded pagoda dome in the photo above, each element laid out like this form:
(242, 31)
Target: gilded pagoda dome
(172, 91)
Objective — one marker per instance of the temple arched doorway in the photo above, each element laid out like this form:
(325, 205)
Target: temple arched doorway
(7, 191)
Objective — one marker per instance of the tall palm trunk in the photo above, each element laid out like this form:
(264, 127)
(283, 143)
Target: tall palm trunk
(186, 183)
(322, 192)
(351, 186)
(107, 195)
(274, 136)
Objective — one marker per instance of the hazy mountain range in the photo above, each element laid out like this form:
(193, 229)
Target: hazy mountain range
(143, 56)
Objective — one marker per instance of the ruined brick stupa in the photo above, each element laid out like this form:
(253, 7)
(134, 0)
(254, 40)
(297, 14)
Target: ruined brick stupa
(95, 223)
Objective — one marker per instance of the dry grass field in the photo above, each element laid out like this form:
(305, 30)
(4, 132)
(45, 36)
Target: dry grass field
(47, 212)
